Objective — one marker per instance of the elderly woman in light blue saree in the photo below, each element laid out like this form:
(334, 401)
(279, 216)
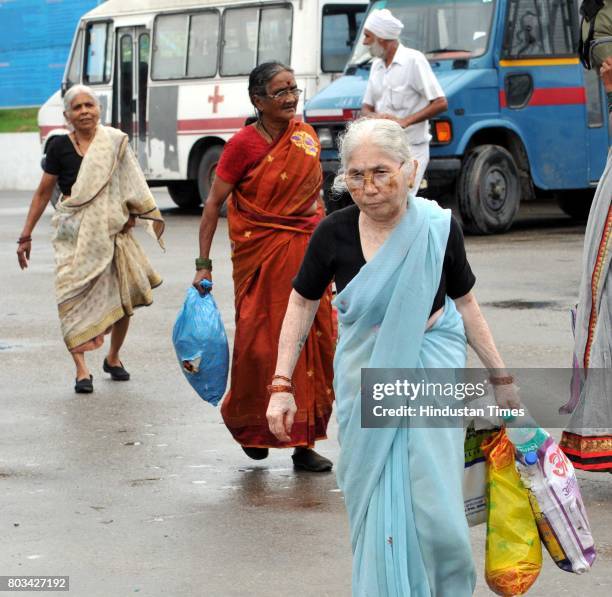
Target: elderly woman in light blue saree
(404, 301)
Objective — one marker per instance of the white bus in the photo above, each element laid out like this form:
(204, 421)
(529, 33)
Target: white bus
(173, 74)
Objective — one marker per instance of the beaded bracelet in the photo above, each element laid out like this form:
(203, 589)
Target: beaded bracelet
(505, 380)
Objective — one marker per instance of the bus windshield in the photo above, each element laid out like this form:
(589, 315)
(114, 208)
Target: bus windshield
(439, 28)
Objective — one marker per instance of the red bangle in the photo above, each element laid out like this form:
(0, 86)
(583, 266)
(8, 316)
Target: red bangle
(505, 380)
(24, 239)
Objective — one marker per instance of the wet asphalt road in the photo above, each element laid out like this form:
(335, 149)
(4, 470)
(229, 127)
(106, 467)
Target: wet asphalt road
(139, 489)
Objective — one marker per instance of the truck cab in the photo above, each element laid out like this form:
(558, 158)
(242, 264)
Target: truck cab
(523, 117)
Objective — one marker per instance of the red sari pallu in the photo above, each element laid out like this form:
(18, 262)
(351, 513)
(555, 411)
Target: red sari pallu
(269, 235)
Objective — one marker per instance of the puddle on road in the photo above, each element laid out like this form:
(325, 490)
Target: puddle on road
(519, 305)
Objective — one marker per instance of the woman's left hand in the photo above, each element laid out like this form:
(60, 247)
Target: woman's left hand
(129, 224)
(280, 414)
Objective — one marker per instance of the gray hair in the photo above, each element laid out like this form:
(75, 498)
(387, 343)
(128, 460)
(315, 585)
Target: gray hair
(77, 90)
(386, 135)
(262, 74)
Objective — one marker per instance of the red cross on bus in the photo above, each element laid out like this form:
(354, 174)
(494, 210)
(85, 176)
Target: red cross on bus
(215, 99)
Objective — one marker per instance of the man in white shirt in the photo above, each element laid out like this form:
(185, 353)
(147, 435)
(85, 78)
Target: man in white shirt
(402, 86)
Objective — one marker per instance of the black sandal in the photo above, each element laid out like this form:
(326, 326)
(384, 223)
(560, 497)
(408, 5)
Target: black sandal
(308, 460)
(255, 453)
(117, 373)
(84, 386)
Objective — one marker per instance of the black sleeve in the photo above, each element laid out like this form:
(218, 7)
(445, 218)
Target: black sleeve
(317, 269)
(51, 164)
(459, 277)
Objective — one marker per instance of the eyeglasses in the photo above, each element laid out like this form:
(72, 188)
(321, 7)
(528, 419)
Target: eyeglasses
(283, 93)
(379, 178)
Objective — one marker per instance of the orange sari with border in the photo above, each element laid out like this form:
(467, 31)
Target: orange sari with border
(269, 235)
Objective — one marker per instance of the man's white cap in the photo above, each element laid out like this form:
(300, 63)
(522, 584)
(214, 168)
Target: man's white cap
(383, 24)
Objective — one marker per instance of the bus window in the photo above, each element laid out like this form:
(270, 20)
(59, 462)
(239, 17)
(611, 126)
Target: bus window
(274, 35)
(341, 24)
(540, 28)
(170, 47)
(239, 41)
(439, 28)
(74, 69)
(98, 49)
(203, 45)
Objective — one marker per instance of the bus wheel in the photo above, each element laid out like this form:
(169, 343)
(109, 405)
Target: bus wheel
(206, 173)
(488, 190)
(55, 195)
(576, 204)
(184, 194)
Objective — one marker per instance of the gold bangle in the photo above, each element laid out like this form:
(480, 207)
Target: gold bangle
(287, 379)
(277, 389)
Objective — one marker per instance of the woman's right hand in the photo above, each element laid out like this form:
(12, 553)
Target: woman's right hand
(201, 274)
(280, 414)
(23, 254)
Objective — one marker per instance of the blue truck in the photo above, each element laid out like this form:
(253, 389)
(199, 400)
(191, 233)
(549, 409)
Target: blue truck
(524, 117)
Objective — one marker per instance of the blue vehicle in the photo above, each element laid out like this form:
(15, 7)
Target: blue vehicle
(524, 117)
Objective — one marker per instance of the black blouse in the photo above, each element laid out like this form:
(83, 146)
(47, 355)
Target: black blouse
(334, 252)
(63, 161)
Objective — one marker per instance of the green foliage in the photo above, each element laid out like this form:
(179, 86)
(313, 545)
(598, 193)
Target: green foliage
(18, 120)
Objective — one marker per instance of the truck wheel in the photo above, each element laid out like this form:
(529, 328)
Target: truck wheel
(576, 204)
(184, 194)
(488, 190)
(206, 173)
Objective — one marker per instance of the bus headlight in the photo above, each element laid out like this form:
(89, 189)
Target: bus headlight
(326, 138)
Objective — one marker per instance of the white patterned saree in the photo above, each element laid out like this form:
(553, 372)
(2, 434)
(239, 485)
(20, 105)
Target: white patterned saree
(102, 274)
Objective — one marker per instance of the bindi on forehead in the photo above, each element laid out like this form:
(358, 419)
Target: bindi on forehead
(280, 86)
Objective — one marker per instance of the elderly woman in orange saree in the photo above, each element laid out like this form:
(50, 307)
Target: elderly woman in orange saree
(271, 173)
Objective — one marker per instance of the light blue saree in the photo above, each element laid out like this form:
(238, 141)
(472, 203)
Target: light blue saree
(402, 487)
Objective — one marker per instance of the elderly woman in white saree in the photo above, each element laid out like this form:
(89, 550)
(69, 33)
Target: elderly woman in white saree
(404, 301)
(102, 274)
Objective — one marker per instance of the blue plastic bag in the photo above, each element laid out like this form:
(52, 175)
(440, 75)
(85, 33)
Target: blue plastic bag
(201, 345)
